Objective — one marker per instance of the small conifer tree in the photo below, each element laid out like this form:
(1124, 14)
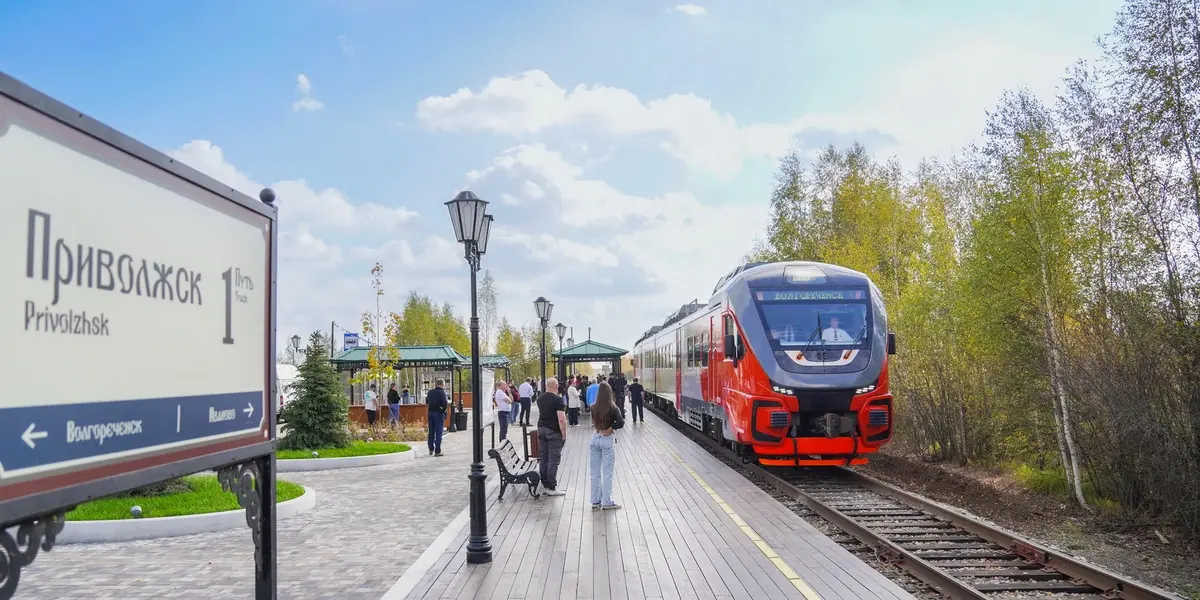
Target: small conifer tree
(318, 416)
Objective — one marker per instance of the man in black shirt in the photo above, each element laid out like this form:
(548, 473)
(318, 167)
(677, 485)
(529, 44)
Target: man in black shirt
(436, 399)
(636, 399)
(618, 385)
(552, 435)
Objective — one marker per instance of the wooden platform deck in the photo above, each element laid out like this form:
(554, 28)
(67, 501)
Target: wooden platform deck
(690, 527)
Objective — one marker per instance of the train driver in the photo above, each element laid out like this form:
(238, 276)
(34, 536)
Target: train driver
(833, 333)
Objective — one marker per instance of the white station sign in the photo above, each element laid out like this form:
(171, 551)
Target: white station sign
(135, 305)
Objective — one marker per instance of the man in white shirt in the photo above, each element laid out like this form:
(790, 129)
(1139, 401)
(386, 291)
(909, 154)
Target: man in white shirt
(573, 402)
(526, 391)
(370, 403)
(835, 334)
(503, 408)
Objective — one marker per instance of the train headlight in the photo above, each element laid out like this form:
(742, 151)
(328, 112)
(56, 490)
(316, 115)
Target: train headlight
(864, 390)
(780, 390)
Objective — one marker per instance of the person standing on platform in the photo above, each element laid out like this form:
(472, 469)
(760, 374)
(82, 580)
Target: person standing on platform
(371, 404)
(636, 400)
(437, 402)
(606, 419)
(405, 396)
(515, 394)
(526, 390)
(394, 405)
(503, 408)
(618, 386)
(590, 394)
(552, 435)
(573, 402)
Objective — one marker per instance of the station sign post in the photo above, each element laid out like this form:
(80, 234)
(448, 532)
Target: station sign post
(139, 317)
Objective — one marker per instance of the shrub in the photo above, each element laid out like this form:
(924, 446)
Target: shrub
(318, 415)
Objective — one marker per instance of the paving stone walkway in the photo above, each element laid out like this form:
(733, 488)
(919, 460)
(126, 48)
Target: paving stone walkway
(368, 526)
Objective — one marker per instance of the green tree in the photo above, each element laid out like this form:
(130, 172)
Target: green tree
(317, 416)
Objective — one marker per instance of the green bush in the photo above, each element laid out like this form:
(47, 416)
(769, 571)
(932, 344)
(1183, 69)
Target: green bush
(318, 416)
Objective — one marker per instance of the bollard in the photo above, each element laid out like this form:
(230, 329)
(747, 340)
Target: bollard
(525, 440)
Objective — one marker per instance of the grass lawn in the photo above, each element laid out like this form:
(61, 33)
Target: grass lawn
(205, 496)
(354, 449)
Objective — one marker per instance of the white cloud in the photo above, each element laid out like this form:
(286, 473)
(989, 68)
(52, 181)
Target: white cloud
(691, 10)
(434, 254)
(298, 202)
(313, 285)
(548, 248)
(531, 102)
(680, 243)
(306, 103)
(933, 105)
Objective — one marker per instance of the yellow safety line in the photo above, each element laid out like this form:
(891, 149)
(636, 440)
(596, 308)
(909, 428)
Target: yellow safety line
(763, 546)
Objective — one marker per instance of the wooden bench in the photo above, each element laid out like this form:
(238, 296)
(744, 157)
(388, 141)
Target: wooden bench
(514, 469)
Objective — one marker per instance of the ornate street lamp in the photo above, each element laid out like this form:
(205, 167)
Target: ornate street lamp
(471, 228)
(295, 349)
(561, 330)
(543, 307)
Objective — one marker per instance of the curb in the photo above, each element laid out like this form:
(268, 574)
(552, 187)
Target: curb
(347, 462)
(124, 530)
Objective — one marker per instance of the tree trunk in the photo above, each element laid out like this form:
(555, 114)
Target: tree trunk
(1063, 413)
(1178, 102)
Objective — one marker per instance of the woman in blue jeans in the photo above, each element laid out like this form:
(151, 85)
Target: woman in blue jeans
(606, 419)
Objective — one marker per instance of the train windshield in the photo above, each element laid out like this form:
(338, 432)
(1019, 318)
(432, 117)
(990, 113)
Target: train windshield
(800, 321)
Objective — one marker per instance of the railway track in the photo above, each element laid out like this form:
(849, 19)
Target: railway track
(955, 555)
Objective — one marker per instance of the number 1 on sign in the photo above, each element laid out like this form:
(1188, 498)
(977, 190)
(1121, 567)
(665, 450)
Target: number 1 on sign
(228, 277)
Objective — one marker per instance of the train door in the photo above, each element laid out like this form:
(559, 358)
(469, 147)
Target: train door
(676, 353)
(710, 391)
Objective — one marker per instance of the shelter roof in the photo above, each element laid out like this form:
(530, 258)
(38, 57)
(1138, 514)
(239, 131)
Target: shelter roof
(402, 356)
(588, 351)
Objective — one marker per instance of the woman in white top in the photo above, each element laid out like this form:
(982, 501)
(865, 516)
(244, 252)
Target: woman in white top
(503, 408)
(573, 403)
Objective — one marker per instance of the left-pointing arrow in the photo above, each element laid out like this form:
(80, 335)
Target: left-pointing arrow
(31, 435)
(249, 410)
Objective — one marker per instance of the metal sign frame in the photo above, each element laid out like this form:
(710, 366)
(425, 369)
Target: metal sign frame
(245, 463)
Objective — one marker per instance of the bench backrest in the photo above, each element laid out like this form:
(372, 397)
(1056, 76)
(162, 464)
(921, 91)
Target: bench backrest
(511, 459)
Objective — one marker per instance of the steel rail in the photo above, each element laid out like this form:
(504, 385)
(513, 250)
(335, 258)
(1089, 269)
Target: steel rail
(1109, 584)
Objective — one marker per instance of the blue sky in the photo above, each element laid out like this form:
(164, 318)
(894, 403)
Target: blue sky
(619, 202)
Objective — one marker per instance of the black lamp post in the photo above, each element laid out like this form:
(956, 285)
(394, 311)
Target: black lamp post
(544, 307)
(561, 330)
(295, 349)
(471, 228)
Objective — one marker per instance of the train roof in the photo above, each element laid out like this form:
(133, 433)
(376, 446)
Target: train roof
(766, 274)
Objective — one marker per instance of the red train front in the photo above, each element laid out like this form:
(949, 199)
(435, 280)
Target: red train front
(787, 362)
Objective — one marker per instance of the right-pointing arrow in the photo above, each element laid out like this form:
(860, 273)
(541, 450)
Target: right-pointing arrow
(31, 435)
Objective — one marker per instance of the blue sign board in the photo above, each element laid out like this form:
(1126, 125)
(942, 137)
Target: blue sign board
(33, 437)
(349, 340)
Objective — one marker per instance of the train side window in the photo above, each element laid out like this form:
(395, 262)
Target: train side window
(691, 351)
(704, 349)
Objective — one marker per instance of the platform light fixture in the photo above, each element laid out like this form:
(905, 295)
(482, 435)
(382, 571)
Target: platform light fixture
(472, 227)
(561, 330)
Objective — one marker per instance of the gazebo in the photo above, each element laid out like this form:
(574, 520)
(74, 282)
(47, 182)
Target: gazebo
(589, 351)
(434, 357)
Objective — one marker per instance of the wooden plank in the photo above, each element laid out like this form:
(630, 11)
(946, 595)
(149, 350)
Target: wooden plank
(671, 539)
(824, 564)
